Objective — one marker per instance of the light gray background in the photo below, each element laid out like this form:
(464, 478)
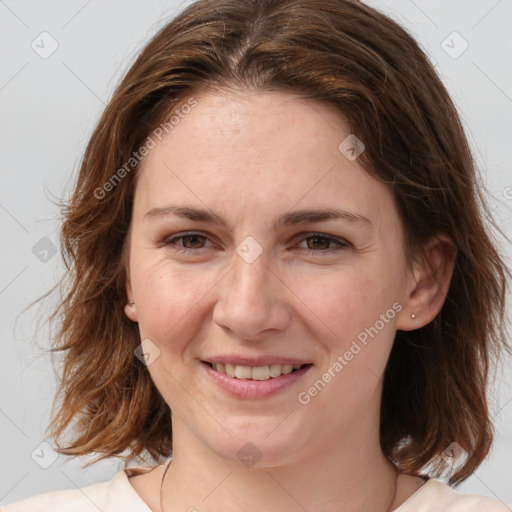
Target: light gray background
(48, 109)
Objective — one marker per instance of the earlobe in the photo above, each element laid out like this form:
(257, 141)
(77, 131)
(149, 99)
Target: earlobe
(430, 283)
(131, 312)
(130, 309)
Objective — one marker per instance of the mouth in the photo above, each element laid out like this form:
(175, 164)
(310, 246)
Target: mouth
(254, 377)
(255, 373)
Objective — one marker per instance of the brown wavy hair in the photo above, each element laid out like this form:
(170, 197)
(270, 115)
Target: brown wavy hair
(357, 61)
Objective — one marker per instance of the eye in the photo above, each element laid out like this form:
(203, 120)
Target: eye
(186, 241)
(315, 243)
(320, 242)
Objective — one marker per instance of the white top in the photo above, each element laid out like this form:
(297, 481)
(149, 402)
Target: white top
(118, 495)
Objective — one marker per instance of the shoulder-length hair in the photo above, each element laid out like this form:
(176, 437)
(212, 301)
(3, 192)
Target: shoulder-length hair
(359, 62)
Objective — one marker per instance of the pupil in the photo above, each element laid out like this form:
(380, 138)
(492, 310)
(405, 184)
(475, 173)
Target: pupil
(318, 244)
(193, 239)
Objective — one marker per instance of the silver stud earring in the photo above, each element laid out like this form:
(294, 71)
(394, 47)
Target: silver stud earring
(413, 316)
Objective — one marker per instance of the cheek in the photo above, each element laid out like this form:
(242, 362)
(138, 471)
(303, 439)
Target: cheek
(168, 301)
(354, 317)
(169, 306)
(344, 302)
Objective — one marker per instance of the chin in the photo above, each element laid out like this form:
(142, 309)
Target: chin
(255, 446)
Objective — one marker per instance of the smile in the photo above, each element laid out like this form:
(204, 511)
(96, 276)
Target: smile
(255, 372)
(254, 382)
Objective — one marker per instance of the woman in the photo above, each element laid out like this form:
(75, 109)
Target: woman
(277, 246)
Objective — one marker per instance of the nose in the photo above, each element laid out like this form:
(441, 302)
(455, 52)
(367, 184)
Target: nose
(251, 300)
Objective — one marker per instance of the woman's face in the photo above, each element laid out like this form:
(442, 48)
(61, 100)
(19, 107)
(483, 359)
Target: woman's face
(256, 240)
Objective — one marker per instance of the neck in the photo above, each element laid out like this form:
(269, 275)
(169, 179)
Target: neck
(350, 473)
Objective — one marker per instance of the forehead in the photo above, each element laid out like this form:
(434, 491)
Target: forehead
(272, 149)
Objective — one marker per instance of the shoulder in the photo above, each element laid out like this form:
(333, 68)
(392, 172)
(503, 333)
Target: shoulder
(85, 499)
(436, 496)
(115, 494)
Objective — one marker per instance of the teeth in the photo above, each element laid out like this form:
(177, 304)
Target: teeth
(275, 370)
(255, 372)
(243, 372)
(230, 369)
(260, 372)
(286, 368)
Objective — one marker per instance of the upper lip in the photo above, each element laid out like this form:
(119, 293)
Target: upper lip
(254, 361)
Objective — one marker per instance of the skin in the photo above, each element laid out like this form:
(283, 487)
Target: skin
(251, 157)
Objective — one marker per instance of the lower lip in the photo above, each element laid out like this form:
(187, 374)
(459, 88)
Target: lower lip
(254, 389)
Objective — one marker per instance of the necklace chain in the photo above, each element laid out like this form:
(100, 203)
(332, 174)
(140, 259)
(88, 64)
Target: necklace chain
(162, 486)
(169, 465)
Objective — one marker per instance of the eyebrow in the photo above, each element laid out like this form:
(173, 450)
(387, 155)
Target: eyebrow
(288, 219)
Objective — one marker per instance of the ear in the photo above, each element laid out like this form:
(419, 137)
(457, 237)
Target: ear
(130, 309)
(430, 282)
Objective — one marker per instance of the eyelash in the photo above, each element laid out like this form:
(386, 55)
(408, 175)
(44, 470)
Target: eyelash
(342, 244)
